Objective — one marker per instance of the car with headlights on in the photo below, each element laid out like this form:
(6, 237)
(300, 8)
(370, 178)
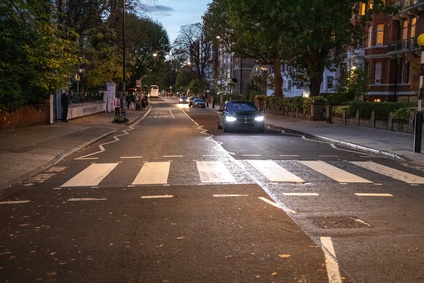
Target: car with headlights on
(183, 99)
(240, 115)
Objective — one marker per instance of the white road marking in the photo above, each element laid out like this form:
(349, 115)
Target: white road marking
(274, 172)
(86, 199)
(14, 202)
(333, 271)
(334, 173)
(373, 195)
(153, 173)
(214, 172)
(270, 202)
(289, 155)
(91, 176)
(157, 196)
(390, 172)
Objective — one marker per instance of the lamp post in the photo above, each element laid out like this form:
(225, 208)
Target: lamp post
(123, 45)
(419, 115)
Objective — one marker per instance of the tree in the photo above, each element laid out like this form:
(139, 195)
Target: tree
(191, 46)
(250, 30)
(37, 52)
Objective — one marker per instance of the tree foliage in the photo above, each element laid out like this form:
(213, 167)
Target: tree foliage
(37, 52)
(308, 35)
(44, 45)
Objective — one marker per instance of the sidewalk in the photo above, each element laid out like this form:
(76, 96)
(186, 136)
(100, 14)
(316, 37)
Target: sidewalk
(27, 151)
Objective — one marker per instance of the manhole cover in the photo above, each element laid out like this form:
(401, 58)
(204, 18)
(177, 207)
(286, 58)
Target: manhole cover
(340, 222)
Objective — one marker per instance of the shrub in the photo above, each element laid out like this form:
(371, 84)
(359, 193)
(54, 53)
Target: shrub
(120, 120)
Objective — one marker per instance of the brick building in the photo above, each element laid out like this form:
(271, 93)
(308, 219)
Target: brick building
(390, 52)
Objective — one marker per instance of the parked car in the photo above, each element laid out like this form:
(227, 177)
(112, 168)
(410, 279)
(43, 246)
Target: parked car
(183, 99)
(240, 115)
(198, 102)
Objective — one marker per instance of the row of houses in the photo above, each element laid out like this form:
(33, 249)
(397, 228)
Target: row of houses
(389, 53)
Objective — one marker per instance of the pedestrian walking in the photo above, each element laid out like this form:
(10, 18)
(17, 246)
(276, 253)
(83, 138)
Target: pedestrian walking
(117, 105)
(65, 105)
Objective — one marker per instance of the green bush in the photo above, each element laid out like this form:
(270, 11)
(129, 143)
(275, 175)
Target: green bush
(402, 114)
(120, 120)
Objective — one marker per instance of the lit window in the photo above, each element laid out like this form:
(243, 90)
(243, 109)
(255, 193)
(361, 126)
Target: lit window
(380, 34)
(362, 9)
(413, 26)
(377, 72)
(405, 29)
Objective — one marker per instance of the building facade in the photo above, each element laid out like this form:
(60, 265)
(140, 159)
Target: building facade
(390, 52)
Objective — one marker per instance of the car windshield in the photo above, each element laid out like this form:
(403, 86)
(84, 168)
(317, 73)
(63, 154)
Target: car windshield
(240, 107)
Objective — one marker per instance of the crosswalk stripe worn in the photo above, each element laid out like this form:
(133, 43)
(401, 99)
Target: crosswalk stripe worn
(91, 176)
(214, 172)
(390, 172)
(153, 173)
(274, 172)
(334, 173)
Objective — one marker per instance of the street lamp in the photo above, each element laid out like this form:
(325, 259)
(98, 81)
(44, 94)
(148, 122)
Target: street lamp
(419, 115)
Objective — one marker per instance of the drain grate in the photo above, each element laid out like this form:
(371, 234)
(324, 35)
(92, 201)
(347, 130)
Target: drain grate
(340, 222)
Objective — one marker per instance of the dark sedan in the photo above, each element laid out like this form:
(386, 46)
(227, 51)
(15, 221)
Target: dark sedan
(240, 115)
(198, 102)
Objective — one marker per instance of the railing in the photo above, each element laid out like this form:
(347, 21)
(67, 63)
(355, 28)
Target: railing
(404, 44)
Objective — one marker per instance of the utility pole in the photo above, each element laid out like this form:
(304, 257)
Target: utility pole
(418, 129)
(123, 45)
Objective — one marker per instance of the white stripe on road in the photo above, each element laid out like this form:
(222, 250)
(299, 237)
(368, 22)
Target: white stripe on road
(390, 172)
(214, 172)
(157, 196)
(373, 195)
(274, 172)
(153, 173)
(333, 271)
(14, 201)
(334, 173)
(91, 176)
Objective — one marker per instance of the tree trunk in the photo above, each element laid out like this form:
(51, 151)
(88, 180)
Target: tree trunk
(278, 78)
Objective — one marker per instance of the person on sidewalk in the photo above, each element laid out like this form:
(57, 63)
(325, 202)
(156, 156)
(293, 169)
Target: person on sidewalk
(65, 106)
(117, 105)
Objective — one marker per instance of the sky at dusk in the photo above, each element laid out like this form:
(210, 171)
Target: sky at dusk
(173, 14)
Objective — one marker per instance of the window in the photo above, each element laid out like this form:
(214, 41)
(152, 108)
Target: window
(405, 29)
(413, 26)
(380, 34)
(377, 72)
(362, 8)
(369, 43)
(289, 85)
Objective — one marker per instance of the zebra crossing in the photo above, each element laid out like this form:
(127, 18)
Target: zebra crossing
(219, 172)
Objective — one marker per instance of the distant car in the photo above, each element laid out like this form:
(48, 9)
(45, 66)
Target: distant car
(240, 115)
(198, 102)
(183, 99)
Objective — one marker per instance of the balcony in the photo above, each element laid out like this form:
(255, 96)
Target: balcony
(403, 46)
(411, 7)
